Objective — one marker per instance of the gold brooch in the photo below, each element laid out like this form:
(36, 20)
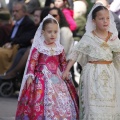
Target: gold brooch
(104, 44)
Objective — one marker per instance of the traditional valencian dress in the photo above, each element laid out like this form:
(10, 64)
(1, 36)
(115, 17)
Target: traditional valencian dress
(100, 79)
(48, 97)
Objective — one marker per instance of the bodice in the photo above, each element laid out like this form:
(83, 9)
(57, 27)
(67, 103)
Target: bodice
(51, 62)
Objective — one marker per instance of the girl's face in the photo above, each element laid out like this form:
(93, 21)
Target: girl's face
(54, 13)
(59, 3)
(37, 17)
(102, 20)
(50, 32)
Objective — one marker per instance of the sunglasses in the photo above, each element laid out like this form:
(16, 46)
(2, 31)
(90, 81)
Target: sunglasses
(54, 15)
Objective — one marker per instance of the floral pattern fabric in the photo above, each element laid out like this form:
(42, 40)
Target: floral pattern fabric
(48, 97)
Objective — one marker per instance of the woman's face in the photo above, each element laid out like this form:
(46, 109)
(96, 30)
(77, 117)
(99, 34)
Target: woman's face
(59, 3)
(37, 17)
(55, 14)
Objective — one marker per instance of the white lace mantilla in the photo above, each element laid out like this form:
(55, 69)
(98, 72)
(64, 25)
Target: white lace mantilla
(47, 50)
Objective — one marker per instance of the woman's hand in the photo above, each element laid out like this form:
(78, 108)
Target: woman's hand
(7, 45)
(29, 81)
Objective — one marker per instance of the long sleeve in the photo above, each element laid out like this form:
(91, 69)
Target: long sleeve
(63, 62)
(30, 67)
(115, 48)
(80, 52)
(33, 61)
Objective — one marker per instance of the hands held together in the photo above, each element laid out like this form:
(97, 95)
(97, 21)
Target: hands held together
(66, 75)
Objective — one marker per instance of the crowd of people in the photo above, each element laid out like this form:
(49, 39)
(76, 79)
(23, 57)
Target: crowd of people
(50, 46)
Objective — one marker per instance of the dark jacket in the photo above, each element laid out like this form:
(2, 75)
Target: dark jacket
(4, 33)
(24, 33)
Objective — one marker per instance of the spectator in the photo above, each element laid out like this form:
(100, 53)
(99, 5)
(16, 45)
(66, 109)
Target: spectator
(5, 26)
(115, 7)
(62, 4)
(21, 35)
(18, 66)
(66, 41)
(80, 9)
(32, 5)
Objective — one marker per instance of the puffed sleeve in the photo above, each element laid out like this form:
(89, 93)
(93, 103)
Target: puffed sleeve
(79, 53)
(30, 67)
(114, 44)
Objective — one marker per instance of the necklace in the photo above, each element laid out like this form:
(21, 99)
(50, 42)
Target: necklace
(99, 36)
(52, 51)
(49, 45)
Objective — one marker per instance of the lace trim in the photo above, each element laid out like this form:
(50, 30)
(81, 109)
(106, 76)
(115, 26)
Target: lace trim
(114, 44)
(45, 50)
(91, 51)
(48, 100)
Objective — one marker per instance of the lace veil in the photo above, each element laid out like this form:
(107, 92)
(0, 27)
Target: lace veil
(38, 43)
(90, 26)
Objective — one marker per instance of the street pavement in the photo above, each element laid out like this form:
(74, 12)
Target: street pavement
(8, 108)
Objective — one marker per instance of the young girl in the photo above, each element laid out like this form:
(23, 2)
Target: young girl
(99, 54)
(44, 95)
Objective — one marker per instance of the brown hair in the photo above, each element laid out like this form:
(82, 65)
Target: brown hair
(47, 21)
(97, 9)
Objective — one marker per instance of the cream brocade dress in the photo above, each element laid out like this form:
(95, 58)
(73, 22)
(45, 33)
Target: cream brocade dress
(100, 83)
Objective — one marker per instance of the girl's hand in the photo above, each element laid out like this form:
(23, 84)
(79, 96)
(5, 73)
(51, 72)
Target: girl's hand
(29, 81)
(65, 75)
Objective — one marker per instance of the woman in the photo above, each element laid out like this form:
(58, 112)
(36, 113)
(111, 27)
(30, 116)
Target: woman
(66, 37)
(67, 11)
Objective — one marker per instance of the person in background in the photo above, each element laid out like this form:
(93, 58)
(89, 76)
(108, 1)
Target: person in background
(17, 67)
(32, 5)
(98, 52)
(115, 7)
(80, 9)
(20, 36)
(66, 36)
(5, 26)
(68, 12)
(44, 95)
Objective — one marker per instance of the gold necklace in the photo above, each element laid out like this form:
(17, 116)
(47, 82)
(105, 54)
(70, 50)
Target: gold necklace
(52, 51)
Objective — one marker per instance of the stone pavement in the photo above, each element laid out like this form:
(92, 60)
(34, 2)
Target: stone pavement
(8, 108)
